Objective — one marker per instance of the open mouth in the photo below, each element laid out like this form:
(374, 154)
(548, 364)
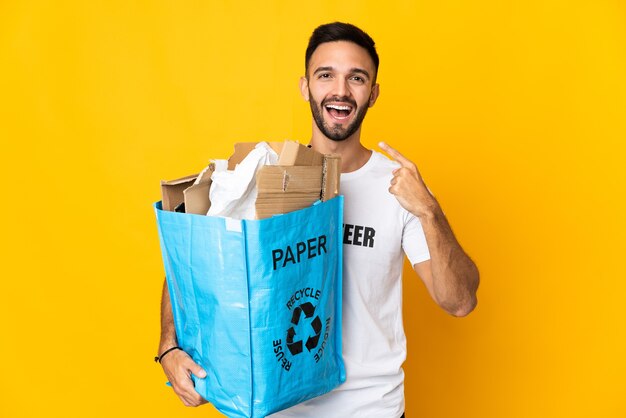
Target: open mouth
(339, 112)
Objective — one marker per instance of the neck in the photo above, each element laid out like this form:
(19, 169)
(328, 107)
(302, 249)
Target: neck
(353, 154)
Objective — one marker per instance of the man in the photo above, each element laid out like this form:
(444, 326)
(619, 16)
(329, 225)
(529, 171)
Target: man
(391, 199)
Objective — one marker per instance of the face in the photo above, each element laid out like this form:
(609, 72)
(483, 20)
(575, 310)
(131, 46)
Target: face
(340, 88)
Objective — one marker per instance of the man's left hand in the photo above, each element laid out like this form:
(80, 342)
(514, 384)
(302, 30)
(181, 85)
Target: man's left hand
(408, 186)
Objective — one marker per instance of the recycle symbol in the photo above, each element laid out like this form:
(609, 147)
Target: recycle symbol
(295, 347)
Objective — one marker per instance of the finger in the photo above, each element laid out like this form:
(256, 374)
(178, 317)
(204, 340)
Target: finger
(198, 400)
(193, 397)
(182, 383)
(395, 154)
(184, 396)
(189, 394)
(184, 386)
(186, 400)
(193, 401)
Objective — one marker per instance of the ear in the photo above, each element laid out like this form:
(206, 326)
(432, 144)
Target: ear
(374, 94)
(304, 88)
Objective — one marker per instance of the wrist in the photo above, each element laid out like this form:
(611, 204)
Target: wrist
(160, 357)
(428, 210)
(166, 345)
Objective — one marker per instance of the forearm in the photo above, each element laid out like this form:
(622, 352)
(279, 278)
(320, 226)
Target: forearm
(455, 277)
(178, 366)
(168, 331)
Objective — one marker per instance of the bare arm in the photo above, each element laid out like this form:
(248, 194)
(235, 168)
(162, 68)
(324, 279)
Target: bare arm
(177, 365)
(450, 276)
(168, 332)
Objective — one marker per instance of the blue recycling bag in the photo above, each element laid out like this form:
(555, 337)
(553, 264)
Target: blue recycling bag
(257, 303)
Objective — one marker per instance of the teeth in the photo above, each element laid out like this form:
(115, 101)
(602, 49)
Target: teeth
(339, 107)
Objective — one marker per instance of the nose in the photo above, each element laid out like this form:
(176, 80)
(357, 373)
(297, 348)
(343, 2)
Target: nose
(341, 87)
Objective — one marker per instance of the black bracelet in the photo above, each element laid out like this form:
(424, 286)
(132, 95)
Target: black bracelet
(159, 358)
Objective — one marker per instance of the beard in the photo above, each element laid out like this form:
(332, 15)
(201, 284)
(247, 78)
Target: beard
(336, 132)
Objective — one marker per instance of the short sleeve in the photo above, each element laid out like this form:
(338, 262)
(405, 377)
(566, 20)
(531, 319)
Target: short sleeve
(413, 240)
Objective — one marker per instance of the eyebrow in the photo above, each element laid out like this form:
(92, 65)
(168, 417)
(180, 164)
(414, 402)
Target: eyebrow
(352, 70)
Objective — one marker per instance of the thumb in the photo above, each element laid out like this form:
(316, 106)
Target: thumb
(197, 370)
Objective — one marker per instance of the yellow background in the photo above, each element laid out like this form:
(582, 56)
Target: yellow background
(515, 112)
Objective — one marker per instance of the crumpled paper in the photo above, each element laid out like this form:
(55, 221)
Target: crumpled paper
(233, 192)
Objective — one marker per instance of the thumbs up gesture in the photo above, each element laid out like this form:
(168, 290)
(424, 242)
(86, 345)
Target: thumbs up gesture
(408, 186)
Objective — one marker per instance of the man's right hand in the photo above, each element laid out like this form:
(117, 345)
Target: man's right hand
(178, 367)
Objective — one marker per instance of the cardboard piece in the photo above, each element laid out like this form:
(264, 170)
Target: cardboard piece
(331, 176)
(301, 177)
(172, 191)
(197, 195)
(294, 153)
(283, 189)
(241, 150)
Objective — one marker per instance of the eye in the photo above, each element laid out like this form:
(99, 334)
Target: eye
(324, 75)
(358, 79)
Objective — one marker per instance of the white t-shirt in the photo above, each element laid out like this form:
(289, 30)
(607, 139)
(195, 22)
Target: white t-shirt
(376, 232)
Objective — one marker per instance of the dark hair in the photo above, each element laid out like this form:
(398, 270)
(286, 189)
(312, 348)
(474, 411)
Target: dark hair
(338, 31)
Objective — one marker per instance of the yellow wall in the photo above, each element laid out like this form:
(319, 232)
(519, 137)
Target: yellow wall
(515, 112)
